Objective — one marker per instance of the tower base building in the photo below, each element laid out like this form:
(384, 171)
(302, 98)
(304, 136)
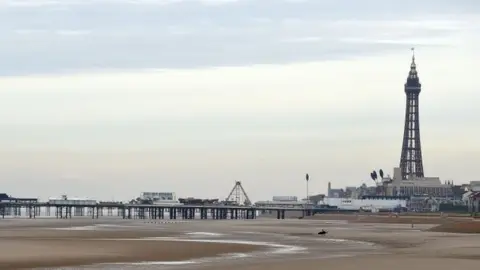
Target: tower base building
(416, 187)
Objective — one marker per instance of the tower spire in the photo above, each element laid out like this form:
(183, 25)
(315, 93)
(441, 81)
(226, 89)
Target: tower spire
(413, 75)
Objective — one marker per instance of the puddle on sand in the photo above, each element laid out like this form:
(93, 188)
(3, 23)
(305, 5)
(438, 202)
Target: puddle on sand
(204, 234)
(93, 227)
(157, 263)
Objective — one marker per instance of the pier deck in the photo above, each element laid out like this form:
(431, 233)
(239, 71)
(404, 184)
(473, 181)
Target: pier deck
(137, 211)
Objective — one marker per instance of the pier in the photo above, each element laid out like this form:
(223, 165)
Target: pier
(135, 211)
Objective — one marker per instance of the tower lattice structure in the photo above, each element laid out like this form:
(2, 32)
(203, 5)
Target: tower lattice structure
(411, 163)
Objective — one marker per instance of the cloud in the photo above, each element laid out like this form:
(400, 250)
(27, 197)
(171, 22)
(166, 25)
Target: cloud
(72, 32)
(303, 39)
(50, 3)
(28, 31)
(48, 36)
(45, 33)
(29, 3)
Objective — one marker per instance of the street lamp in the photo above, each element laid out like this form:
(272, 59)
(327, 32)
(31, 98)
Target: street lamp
(307, 177)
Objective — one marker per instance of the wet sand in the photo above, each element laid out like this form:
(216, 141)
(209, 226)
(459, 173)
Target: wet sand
(51, 253)
(384, 262)
(41, 244)
(444, 223)
(399, 246)
(33, 243)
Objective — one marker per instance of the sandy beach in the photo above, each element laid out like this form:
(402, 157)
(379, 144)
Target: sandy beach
(372, 243)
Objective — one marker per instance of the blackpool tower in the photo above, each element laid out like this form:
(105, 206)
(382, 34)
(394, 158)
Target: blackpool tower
(411, 163)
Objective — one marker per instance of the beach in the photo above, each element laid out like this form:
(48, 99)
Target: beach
(82, 243)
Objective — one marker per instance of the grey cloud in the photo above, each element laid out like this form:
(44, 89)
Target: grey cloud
(72, 35)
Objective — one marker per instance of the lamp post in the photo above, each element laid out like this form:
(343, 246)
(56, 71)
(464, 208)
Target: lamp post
(307, 177)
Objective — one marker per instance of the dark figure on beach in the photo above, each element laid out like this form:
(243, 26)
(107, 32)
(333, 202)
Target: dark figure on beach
(322, 232)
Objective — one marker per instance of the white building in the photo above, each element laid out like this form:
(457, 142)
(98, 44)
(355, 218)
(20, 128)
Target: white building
(158, 196)
(163, 198)
(291, 204)
(72, 201)
(367, 204)
(285, 198)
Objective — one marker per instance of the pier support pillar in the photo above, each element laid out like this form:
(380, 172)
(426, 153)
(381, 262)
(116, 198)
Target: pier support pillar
(203, 213)
(173, 213)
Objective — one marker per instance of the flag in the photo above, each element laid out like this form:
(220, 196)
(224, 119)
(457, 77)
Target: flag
(307, 177)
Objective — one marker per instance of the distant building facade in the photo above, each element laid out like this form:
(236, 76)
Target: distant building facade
(425, 186)
(165, 198)
(65, 200)
(335, 193)
(5, 198)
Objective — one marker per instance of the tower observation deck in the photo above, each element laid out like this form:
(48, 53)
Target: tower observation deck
(411, 162)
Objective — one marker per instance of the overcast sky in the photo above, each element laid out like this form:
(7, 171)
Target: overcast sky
(109, 98)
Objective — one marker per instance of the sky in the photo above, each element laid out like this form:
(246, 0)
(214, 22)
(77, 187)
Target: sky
(109, 98)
